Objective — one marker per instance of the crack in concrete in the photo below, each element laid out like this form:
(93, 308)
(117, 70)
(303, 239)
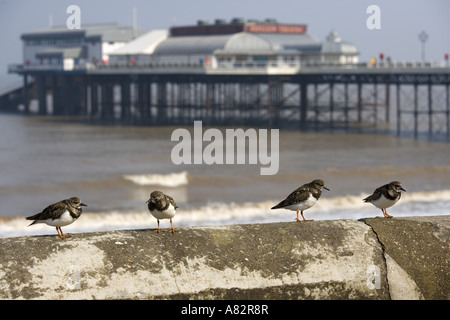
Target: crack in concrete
(383, 250)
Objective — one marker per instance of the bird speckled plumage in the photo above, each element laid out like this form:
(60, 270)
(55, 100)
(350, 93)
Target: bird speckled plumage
(162, 206)
(386, 196)
(59, 214)
(303, 197)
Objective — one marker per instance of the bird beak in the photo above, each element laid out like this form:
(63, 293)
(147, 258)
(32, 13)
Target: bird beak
(147, 201)
(326, 188)
(82, 204)
(402, 189)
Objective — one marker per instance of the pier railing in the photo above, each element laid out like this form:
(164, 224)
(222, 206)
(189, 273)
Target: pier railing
(271, 67)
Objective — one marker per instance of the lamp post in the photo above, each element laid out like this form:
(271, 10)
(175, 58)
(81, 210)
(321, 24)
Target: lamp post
(423, 37)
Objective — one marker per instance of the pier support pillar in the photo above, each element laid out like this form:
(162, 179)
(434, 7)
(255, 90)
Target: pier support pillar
(346, 106)
(25, 97)
(58, 95)
(94, 100)
(162, 102)
(68, 107)
(125, 111)
(331, 104)
(388, 103)
(430, 109)
(399, 112)
(303, 104)
(375, 104)
(359, 102)
(447, 110)
(82, 100)
(42, 94)
(144, 101)
(107, 111)
(416, 111)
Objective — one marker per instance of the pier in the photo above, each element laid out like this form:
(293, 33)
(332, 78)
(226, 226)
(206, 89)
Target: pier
(313, 97)
(237, 73)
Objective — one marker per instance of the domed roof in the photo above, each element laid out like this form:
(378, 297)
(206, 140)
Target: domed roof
(247, 42)
(334, 45)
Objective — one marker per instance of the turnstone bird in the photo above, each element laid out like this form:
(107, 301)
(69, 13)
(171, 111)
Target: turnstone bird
(59, 214)
(162, 206)
(303, 198)
(386, 196)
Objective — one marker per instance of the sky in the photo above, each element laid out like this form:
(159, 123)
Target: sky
(401, 21)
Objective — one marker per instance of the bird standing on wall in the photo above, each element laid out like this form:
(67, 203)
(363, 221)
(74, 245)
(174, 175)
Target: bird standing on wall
(303, 198)
(162, 206)
(386, 196)
(59, 214)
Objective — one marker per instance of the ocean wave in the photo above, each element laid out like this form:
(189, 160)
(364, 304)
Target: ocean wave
(165, 180)
(342, 207)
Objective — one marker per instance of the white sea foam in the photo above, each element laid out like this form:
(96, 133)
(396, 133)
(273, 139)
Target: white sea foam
(343, 207)
(165, 180)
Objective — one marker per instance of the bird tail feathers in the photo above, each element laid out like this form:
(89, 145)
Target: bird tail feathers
(280, 205)
(34, 217)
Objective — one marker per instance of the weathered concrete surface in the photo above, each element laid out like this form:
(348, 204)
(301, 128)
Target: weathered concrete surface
(417, 255)
(341, 259)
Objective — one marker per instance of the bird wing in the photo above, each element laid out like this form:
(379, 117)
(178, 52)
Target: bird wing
(172, 201)
(53, 211)
(374, 196)
(296, 196)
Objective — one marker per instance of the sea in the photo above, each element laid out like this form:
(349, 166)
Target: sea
(114, 168)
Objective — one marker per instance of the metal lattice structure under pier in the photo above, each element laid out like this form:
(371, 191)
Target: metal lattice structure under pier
(416, 100)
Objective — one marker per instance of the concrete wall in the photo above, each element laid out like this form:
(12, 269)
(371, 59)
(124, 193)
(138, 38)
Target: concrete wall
(399, 258)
